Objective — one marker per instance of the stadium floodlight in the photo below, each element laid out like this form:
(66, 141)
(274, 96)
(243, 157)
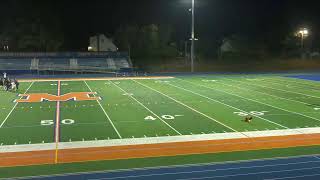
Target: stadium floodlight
(302, 33)
(90, 48)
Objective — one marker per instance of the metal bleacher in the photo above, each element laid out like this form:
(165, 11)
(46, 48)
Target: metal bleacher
(95, 62)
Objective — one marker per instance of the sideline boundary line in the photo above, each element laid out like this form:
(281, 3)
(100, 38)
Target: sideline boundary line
(157, 140)
(106, 114)
(147, 109)
(95, 79)
(4, 121)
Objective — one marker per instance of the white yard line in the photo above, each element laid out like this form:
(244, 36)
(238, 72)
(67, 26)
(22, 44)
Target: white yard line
(106, 114)
(179, 102)
(305, 82)
(308, 95)
(57, 133)
(131, 96)
(260, 91)
(281, 83)
(293, 112)
(227, 105)
(4, 121)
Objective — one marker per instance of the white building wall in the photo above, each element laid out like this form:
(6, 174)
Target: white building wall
(105, 44)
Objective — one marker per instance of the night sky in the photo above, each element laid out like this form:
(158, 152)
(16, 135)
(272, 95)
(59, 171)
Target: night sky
(215, 19)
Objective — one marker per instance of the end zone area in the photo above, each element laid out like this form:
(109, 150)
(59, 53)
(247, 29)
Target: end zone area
(78, 120)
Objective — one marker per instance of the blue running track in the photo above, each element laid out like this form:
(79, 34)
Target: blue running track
(306, 167)
(314, 77)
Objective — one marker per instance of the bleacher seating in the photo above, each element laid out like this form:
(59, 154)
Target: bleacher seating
(88, 61)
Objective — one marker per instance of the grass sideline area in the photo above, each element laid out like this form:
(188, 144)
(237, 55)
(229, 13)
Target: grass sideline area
(88, 167)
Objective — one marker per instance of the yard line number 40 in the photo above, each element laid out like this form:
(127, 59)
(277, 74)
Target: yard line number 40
(167, 117)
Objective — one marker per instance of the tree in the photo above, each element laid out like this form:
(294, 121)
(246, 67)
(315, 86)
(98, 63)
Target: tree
(40, 30)
(146, 41)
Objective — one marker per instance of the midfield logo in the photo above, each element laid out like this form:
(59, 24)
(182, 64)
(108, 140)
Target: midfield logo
(40, 97)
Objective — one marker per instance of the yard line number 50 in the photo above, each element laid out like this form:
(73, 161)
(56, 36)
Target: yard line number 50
(51, 122)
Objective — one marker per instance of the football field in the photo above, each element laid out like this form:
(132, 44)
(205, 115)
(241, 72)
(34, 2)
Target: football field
(155, 107)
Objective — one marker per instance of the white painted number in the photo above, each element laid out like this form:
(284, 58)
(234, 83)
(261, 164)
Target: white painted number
(241, 113)
(162, 81)
(51, 122)
(167, 117)
(150, 118)
(47, 122)
(207, 80)
(67, 121)
(254, 113)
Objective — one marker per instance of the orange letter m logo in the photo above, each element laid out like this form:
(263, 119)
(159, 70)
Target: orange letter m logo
(40, 97)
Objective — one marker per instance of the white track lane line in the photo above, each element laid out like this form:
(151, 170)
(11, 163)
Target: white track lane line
(147, 108)
(4, 121)
(216, 170)
(106, 114)
(179, 102)
(227, 105)
(293, 112)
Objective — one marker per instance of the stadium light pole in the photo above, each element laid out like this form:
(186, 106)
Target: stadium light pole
(303, 33)
(192, 38)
